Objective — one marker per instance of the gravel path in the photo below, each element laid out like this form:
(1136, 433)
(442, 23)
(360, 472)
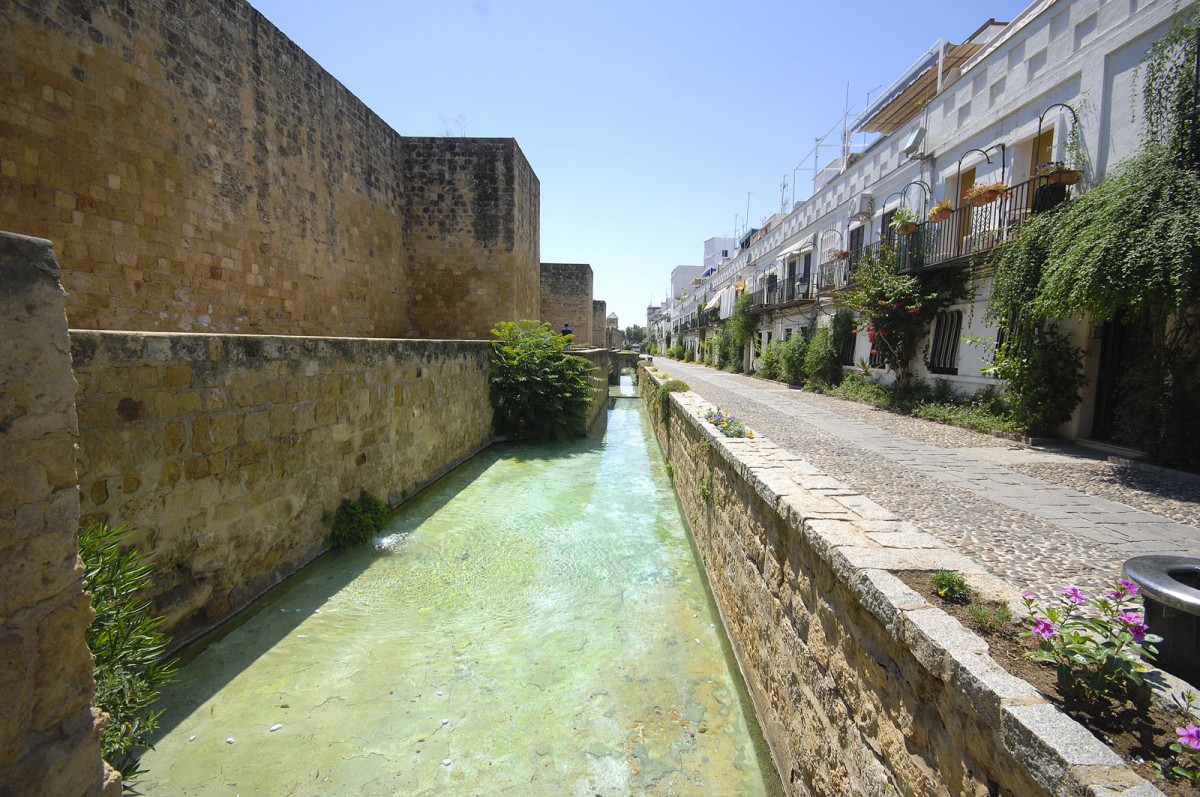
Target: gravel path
(1040, 518)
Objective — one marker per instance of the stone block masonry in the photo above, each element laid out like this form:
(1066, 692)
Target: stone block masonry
(49, 738)
(221, 453)
(861, 686)
(197, 171)
(599, 323)
(567, 298)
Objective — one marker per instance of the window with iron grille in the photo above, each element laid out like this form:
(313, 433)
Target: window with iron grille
(876, 359)
(943, 350)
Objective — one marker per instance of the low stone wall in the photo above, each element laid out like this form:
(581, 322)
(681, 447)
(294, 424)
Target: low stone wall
(221, 453)
(861, 686)
(49, 737)
(599, 359)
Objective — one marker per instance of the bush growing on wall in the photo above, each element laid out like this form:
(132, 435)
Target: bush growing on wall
(356, 522)
(126, 643)
(538, 390)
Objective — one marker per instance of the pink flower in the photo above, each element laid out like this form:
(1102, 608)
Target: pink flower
(1044, 628)
(1131, 618)
(1189, 736)
(1130, 588)
(1074, 595)
(1138, 632)
(1030, 596)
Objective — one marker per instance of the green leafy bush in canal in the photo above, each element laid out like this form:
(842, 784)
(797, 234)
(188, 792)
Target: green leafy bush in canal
(538, 390)
(128, 647)
(356, 522)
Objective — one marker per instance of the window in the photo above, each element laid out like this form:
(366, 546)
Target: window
(876, 359)
(856, 238)
(846, 355)
(943, 350)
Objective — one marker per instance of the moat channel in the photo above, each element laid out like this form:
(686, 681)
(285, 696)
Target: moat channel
(537, 622)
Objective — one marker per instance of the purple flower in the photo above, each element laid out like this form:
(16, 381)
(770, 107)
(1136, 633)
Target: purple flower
(1030, 596)
(1074, 595)
(1131, 618)
(1130, 588)
(1044, 628)
(1189, 736)
(1138, 632)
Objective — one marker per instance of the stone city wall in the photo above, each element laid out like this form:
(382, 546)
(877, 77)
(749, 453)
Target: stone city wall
(599, 323)
(601, 365)
(49, 738)
(221, 453)
(567, 298)
(197, 171)
(861, 686)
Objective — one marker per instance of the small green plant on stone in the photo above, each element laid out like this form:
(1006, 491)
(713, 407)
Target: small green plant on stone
(951, 587)
(991, 619)
(1097, 646)
(727, 424)
(357, 522)
(670, 470)
(706, 488)
(127, 645)
(1186, 765)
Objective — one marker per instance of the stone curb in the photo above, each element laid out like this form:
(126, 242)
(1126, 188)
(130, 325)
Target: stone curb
(864, 545)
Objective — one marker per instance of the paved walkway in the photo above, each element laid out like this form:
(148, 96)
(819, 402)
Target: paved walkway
(1042, 518)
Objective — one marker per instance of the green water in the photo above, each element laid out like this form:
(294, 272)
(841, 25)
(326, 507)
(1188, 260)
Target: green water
(535, 623)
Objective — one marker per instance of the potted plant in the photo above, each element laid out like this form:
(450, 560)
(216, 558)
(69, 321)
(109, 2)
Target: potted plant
(982, 194)
(904, 221)
(941, 210)
(839, 254)
(1058, 173)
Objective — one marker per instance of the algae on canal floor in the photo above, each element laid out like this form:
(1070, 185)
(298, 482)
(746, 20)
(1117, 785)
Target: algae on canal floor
(534, 623)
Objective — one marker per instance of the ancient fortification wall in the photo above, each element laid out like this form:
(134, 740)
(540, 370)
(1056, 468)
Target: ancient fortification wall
(567, 298)
(599, 319)
(197, 171)
(222, 452)
(49, 741)
(861, 686)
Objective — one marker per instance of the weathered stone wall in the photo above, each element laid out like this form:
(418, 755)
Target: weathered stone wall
(472, 236)
(599, 359)
(221, 453)
(197, 171)
(567, 298)
(49, 739)
(861, 686)
(599, 319)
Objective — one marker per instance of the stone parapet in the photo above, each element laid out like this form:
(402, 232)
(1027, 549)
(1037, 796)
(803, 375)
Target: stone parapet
(861, 686)
(223, 453)
(49, 734)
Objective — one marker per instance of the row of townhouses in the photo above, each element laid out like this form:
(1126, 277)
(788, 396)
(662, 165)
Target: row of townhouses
(1056, 84)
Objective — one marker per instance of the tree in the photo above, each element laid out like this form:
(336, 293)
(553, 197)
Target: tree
(635, 334)
(538, 389)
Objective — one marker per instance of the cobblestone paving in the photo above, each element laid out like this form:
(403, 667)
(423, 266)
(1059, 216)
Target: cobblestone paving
(1040, 518)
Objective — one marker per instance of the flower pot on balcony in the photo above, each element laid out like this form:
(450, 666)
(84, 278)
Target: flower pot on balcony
(984, 198)
(906, 229)
(940, 215)
(1064, 177)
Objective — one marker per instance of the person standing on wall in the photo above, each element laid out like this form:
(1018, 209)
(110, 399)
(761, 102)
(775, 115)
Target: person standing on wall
(566, 330)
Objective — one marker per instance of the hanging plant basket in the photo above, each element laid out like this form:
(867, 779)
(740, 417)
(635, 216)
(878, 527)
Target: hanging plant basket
(907, 229)
(940, 215)
(984, 198)
(1065, 177)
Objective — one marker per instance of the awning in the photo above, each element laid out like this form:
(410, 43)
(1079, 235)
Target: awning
(803, 245)
(715, 301)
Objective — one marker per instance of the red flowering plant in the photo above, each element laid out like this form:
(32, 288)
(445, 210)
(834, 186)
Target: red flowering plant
(896, 309)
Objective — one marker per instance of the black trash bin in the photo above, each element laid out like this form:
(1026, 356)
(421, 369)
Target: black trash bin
(1170, 588)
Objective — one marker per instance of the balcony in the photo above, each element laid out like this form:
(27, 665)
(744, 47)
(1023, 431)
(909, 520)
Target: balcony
(976, 230)
(781, 296)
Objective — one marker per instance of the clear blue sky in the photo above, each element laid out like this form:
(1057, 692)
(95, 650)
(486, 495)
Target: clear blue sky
(646, 122)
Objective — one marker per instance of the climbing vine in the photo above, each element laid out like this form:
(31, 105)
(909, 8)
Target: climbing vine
(1126, 252)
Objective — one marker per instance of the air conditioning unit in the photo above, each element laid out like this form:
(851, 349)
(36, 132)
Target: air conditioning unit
(862, 207)
(912, 144)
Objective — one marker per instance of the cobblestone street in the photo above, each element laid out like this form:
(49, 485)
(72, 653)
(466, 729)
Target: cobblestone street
(1041, 518)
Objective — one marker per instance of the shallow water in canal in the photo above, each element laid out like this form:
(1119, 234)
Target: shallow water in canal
(534, 623)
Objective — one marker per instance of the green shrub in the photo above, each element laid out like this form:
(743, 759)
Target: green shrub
(822, 364)
(968, 416)
(538, 390)
(358, 521)
(770, 365)
(856, 387)
(688, 356)
(791, 359)
(1044, 374)
(127, 645)
(950, 586)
